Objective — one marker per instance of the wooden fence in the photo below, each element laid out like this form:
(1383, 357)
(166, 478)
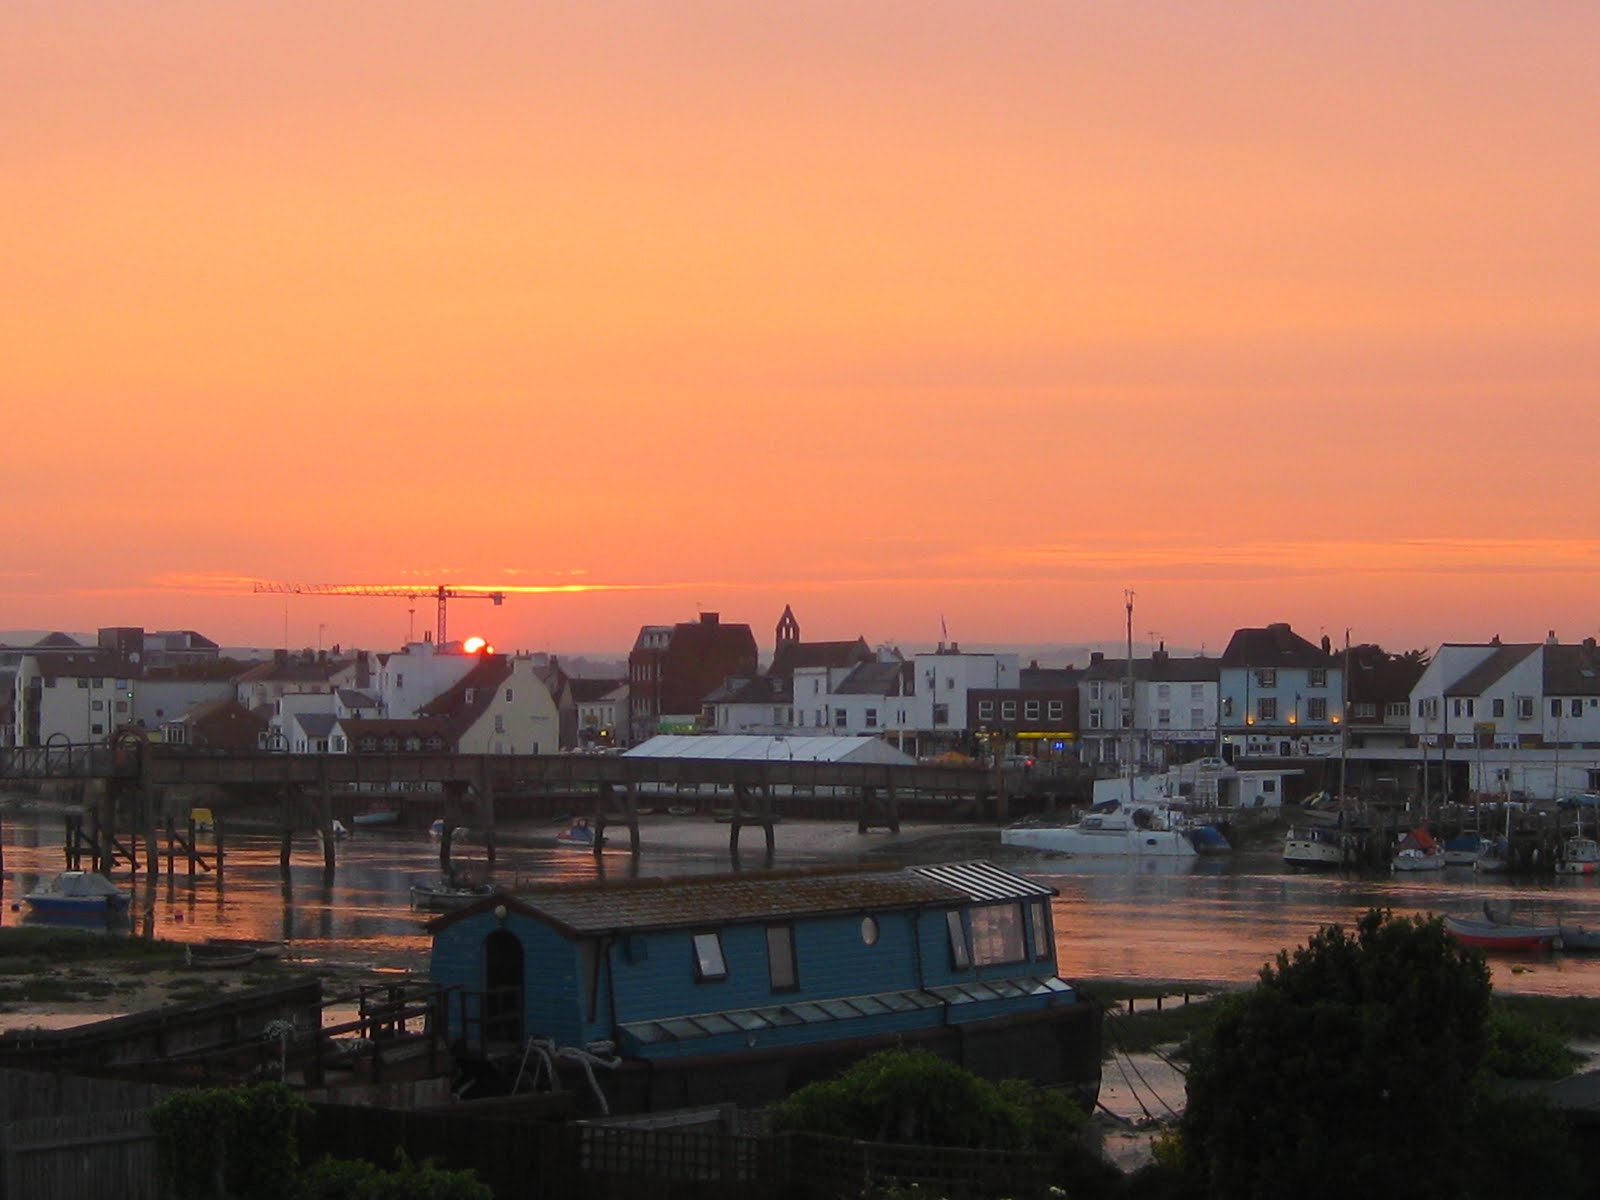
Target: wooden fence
(534, 1161)
(75, 1155)
(79, 1146)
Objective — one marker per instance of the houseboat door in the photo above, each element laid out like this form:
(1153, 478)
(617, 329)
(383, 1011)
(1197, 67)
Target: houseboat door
(502, 988)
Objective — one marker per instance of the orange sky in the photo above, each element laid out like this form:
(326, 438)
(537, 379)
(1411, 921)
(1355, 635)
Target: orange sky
(887, 311)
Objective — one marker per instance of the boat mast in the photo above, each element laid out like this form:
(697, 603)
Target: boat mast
(1344, 720)
(1127, 764)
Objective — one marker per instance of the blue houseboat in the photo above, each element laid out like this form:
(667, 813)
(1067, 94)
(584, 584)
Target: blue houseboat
(664, 993)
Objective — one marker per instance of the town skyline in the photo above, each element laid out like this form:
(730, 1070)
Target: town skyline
(914, 317)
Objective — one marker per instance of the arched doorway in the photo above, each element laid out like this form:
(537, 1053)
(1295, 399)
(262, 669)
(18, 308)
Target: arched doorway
(502, 988)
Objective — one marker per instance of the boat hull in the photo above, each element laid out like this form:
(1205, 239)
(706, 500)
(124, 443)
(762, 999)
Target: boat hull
(75, 906)
(1119, 843)
(1406, 861)
(440, 899)
(1488, 935)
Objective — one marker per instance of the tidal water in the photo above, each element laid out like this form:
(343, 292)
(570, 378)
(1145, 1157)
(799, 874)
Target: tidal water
(1216, 921)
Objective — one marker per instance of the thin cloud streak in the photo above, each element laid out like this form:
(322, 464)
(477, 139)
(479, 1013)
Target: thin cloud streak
(1064, 563)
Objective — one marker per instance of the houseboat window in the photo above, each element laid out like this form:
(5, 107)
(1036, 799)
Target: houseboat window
(997, 934)
(682, 1027)
(781, 967)
(716, 1023)
(869, 930)
(1041, 929)
(778, 1016)
(808, 1012)
(749, 1020)
(840, 1009)
(709, 964)
(872, 1006)
(1043, 987)
(960, 957)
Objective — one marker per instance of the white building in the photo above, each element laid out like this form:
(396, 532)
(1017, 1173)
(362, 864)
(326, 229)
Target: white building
(502, 706)
(423, 671)
(942, 679)
(73, 697)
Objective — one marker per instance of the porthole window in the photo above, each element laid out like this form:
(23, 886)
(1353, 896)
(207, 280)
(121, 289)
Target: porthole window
(869, 930)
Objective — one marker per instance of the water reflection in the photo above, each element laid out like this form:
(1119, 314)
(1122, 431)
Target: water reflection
(1208, 919)
(1224, 925)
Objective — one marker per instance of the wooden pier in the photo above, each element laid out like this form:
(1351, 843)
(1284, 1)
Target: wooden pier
(133, 789)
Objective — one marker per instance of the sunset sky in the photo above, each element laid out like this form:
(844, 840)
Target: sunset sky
(891, 311)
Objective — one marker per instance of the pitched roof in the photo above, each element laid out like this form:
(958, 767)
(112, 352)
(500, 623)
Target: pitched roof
(1160, 667)
(638, 905)
(1043, 679)
(356, 727)
(208, 709)
(296, 669)
(876, 679)
(753, 747)
(1374, 675)
(1487, 672)
(1275, 645)
(588, 691)
(790, 657)
(762, 689)
(1571, 670)
(471, 695)
(352, 698)
(57, 641)
(80, 665)
(315, 724)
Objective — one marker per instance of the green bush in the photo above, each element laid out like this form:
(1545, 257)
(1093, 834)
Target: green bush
(346, 1179)
(1521, 1048)
(233, 1141)
(1356, 1067)
(908, 1096)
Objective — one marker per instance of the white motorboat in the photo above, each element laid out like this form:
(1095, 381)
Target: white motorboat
(1579, 856)
(1313, 847)
(446, 895)
(1111, 828)
(78, 892)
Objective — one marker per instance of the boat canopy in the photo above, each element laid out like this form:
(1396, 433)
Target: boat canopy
(83, 883)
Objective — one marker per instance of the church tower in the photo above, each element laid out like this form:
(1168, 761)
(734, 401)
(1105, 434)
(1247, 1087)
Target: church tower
(788, 631)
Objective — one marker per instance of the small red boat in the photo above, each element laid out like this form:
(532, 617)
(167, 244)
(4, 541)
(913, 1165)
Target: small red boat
(1488, 935)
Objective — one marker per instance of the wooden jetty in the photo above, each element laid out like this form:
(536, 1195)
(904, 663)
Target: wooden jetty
(130, 788)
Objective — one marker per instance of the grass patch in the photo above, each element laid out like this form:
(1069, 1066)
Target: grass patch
(24, 948)
(1567, 1019)
(1144, 1029)
(1117, 992)
(44, 990)
(1573, 1018)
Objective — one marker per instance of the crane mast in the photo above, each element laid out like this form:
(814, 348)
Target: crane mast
(443, 594)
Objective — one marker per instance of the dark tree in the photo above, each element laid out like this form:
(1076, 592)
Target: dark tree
(1354, 1068)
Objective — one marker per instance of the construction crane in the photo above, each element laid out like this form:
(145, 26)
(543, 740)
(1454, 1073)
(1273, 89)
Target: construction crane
(442, 593)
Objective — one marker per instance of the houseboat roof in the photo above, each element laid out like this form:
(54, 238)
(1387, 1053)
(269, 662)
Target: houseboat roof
(638, 905)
